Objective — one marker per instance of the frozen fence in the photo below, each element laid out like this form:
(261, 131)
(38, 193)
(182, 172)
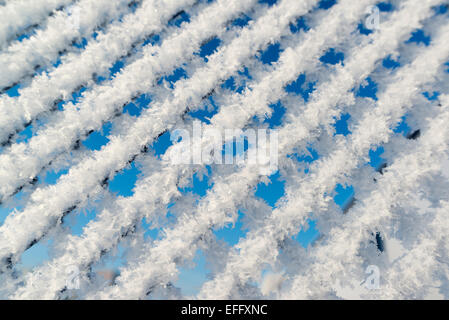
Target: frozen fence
(304, 98)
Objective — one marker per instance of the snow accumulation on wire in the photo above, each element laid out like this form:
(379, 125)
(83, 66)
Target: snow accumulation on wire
(76, 70)
(18, 16)
(71, 68)
(24, 57)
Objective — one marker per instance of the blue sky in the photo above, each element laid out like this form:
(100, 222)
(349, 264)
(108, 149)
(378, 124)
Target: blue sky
(123, 183)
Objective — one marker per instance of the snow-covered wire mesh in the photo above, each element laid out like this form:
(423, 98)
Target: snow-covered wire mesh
(68, 69)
